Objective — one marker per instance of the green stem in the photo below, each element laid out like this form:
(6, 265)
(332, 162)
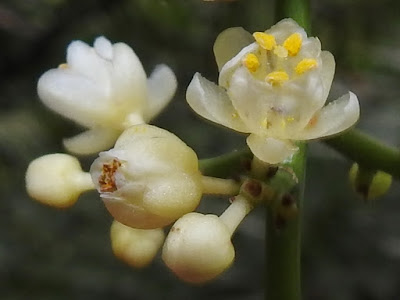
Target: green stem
(298, 10)
(367, 151)
(226, 165)
(283, 248)
(283, 241)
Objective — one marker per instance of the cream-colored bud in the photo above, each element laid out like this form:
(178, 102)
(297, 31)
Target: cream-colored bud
(198, 248)
(149, 179)
(136, 247)
(57, 180)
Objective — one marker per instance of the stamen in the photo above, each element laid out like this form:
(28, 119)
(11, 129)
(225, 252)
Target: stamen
(290, 119)
(281, 51)
(264, 123)
(107, 177)
(305, 65)
(63, 66)
(251, 62)
(293, 44)
(266, 41)
(277, 77)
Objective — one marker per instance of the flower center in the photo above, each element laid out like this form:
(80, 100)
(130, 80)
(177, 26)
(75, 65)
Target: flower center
(272, 61)
(107, 177)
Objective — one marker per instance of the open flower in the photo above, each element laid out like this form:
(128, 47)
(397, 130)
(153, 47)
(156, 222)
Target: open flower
(105, 89)
(149, 179)
(273, 85)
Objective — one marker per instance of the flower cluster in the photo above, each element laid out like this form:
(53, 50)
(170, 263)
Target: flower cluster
(149, 180)
(272, 85)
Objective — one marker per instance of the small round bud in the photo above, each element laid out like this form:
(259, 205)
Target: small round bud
(369, 184)
(136, 247)
(149, 179)
(57, 180)
(198, 248)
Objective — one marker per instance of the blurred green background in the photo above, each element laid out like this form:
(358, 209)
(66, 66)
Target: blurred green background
(350, 251)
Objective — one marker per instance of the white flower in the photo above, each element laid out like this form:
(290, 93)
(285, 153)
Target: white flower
(105, 89)
(136, 247)
(149, 179)
(273, 85)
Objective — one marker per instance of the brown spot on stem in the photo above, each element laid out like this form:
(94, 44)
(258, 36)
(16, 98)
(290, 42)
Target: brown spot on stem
(288, 200)
(253, 188)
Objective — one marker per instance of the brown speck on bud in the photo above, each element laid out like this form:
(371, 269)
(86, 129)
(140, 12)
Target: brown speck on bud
(107, 177)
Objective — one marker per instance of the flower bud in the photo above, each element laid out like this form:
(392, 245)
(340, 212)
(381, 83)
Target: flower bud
(198, 248)
(57, 180)
(136, 247)
(369, 184)
(149, 179)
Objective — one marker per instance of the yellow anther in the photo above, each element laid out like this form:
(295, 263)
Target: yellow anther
(281, 51)
(305, 65)
(277, 77)
(63, 66)
(266, 41)
(290, 119)
(264, 123)
(293, 44)
(283, 124)
(251, 62)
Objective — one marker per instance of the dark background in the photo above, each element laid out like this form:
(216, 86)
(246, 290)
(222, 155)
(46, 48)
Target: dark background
(351, 250)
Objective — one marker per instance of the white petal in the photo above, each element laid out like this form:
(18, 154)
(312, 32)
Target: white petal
(84, 60)
(328, 71)
(103, 48)
(92, 141)
(146, 144)
(337, 116)
(161, 87)
(229, 43)
(73, 96)
(128, 79)
(270, 150)
(284, 28)
(232, 65)
(258, 102)
(212, 102)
